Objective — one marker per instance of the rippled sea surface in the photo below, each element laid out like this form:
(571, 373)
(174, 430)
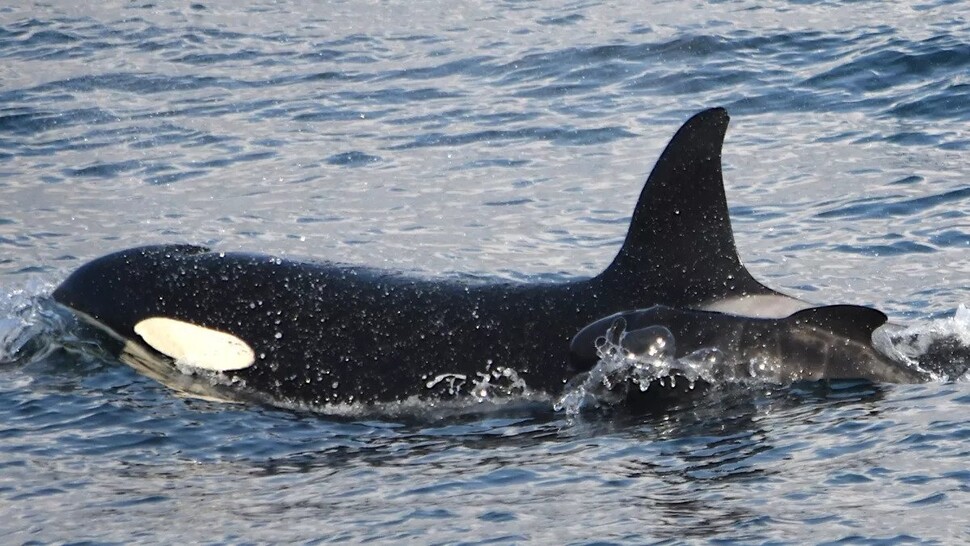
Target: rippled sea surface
(496, 139)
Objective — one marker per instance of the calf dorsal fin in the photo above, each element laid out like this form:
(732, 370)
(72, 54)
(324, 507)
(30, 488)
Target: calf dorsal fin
(852, 321)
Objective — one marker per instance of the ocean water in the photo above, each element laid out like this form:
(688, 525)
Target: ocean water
(496, 139)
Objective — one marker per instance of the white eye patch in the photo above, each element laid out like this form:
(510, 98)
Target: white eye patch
(196, 346)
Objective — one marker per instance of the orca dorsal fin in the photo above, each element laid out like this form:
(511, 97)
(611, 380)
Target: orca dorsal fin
(852, 321)
(680, 245)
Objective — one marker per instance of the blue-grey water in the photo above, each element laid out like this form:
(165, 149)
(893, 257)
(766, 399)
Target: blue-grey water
(487, 139)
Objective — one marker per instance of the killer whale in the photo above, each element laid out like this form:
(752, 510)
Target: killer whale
(320, 333)
(827, 342)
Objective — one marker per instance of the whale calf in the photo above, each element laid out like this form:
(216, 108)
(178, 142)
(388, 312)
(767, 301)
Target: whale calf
(828, 342)
(320, 333)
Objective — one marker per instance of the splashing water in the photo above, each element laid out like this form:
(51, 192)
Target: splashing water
(940, 347)
(638, 359)
(29, 324)
(494, 383)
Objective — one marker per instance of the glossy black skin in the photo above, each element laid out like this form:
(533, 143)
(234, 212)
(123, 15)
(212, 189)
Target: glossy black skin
(374, 335)
(832, 342)
(324, 333)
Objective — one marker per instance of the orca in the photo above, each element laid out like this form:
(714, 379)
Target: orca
(828, 342)
(320, 333)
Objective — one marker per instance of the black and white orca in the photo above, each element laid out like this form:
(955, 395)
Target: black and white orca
(320, 333)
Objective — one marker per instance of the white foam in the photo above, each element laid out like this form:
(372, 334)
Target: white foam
(918, 345)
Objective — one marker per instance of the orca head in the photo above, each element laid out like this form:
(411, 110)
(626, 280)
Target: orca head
(679, 250)
(121, 294)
